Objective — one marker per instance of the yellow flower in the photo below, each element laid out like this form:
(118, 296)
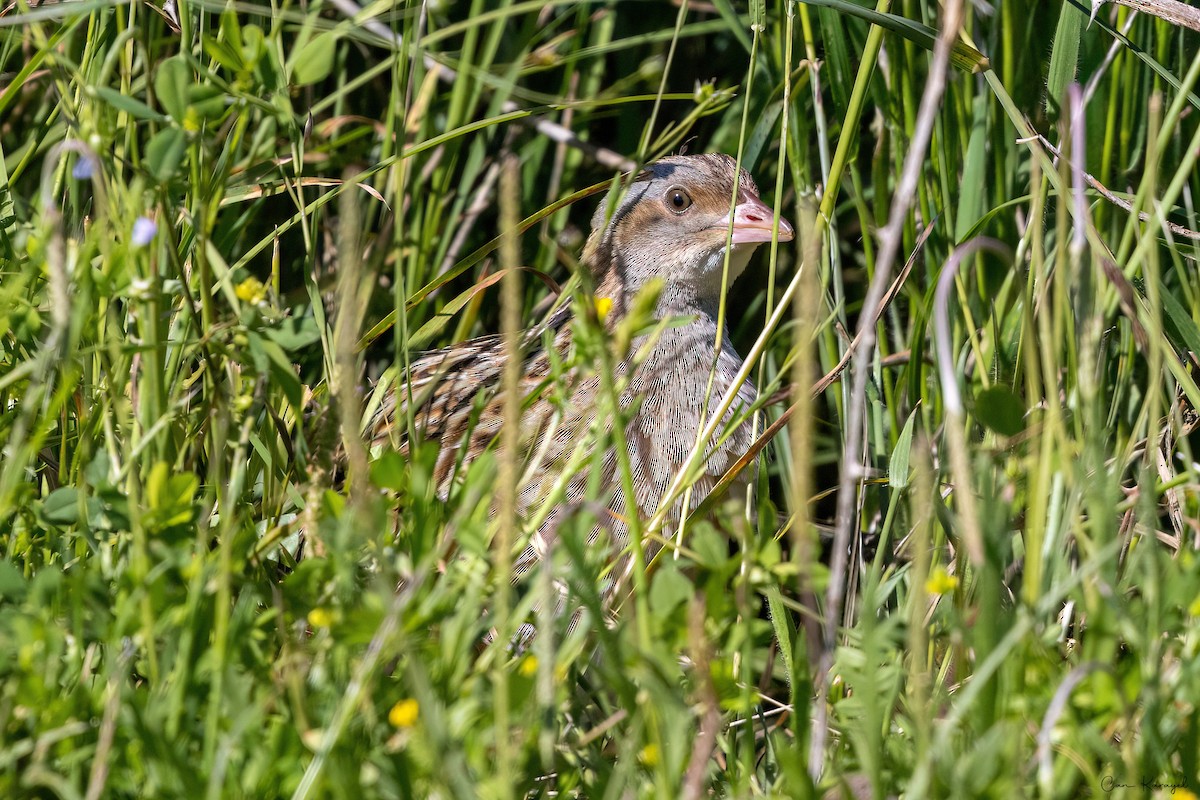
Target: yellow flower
(940, 582)
(192, 120)
(603, 306)
(404, 714)
(528, 666)
(251, 291)
(320, 618)
(649, 755)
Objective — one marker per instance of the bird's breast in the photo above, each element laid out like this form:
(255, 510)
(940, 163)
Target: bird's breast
(675, 402)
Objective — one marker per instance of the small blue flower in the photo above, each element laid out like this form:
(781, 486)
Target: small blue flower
(83, 169)
(144, 231)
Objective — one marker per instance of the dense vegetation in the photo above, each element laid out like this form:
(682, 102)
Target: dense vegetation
(970, 565)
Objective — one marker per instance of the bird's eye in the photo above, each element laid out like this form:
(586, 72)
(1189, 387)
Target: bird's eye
(678, 200)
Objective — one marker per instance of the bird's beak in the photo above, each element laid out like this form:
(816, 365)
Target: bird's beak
(752, 223)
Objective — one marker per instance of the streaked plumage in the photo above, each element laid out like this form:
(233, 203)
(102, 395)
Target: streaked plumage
(673, 224)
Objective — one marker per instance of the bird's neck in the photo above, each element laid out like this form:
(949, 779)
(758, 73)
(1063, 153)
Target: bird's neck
(689, 344)
(685, 291)
(670, 373)
(676, 299)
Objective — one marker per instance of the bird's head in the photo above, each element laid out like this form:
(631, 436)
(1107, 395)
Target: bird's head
(673, 224)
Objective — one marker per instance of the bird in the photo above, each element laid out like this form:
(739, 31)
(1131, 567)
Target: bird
(670, 230)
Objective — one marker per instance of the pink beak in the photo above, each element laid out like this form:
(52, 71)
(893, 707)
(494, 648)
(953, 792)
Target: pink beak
(752, 223)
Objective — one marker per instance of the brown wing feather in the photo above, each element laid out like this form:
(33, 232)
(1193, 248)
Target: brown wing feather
(444, 388)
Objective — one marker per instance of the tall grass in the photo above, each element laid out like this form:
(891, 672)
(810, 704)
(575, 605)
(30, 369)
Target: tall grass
(969, 567)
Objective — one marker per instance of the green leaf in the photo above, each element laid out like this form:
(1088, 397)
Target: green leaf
(223, 53)
(165, 152)
(1064, 58)
(1000, 410)
(171, 83)
(1179, 322)
(12, 583)
(758, 13)
(765, 129)
(710, 548)
(155, 481)
(294, 333)
(170, 497)
(974, 174)
(269, 358)
(253, 44)
(231, 29)
(898, 470)
(267, 66)
(98, 472)
(388, 472)
(729, 689)
(962, 56)
(333, 503)
(209, 102)
(669, 590)
(133, 107)
(61, 506)
(838, 71)
(314, 61)
(781, 621)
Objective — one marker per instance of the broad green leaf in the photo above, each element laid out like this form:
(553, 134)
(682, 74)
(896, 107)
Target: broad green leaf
(710, 548)
(270, 359)
(62, 506)
(223, 53)
(165, 152)
(155, 482)
(267, 66)
(170, 497)
(171, 82)
(388, 472)
(670, 589)
(314, 62)
(333, 503)
(253, 44)
(294, 333)
(131, 106)
(1000, 410)
(231, 29)
(209, 102)
(12, 583)
(729, 688)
